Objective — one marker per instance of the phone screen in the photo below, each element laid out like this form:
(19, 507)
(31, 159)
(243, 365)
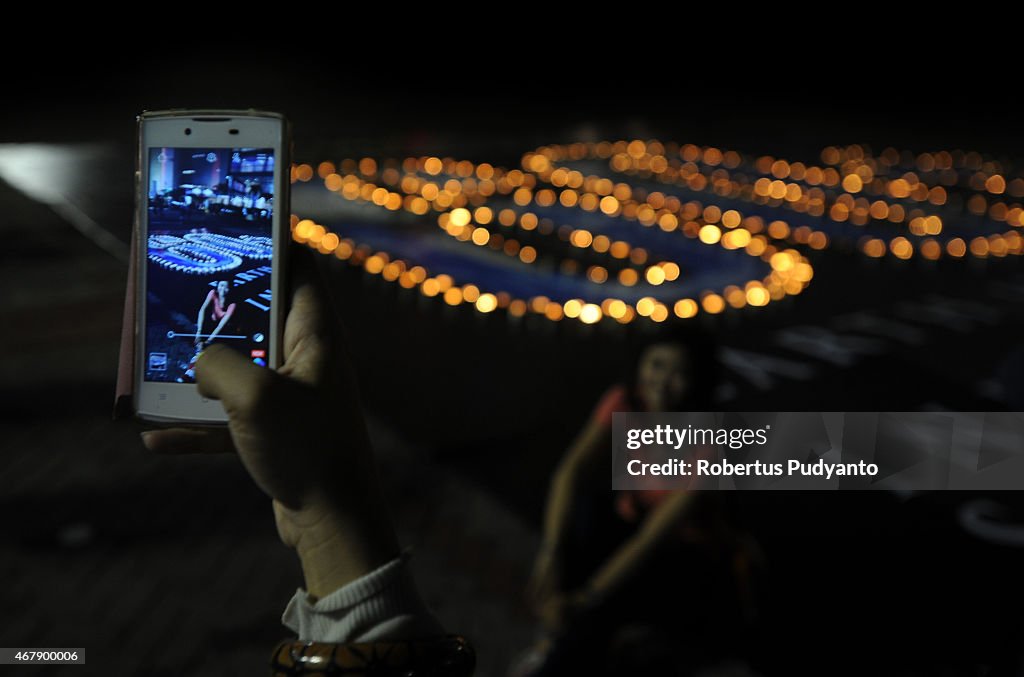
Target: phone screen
(209, 254)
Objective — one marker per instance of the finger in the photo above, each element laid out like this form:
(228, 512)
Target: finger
(306, 330)
(302, 266)
(307, 275)
(224, 374)
(188, 441)
(306, 341)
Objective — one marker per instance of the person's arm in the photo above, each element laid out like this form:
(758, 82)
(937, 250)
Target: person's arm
(579, 470)
(323, 485)
(559, 609)
(202, 314)
(326, 500)
(656, 528)
(223, 321)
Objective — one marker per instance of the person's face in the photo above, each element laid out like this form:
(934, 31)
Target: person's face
(222, 287)
(664, 376)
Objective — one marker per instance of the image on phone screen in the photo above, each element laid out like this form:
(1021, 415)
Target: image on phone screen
(209, 254)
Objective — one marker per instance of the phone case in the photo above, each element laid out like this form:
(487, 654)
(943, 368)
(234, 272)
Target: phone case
(125, 385)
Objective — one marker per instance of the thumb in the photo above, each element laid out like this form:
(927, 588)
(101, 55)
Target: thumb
(224, 374)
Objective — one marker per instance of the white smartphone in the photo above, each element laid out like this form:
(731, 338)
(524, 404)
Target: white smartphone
(211, 214)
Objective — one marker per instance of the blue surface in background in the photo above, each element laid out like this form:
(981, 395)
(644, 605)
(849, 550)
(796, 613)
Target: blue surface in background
(418, 241)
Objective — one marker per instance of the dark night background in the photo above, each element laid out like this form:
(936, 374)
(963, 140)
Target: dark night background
(173, 562)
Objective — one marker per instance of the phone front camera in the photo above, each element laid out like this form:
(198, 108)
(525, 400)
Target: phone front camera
(188, 130)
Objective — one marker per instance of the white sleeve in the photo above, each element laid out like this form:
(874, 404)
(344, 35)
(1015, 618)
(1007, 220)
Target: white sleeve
(382, 605)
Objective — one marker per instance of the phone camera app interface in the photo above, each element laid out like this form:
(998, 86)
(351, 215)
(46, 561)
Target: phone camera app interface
(209, 253)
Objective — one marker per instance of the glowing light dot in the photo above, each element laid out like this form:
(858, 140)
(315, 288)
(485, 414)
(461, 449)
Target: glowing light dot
(453, 296)
(344, 250)
(481, 236)
(979, 247)
(581, 238)
(802, 272)
(655, 275)
(736, 239)
(931, 250)
(713, 304)
(486, 303)
(483, 215)
(852, 183)
(901, 248)
(778, 230)
(735, 297)
(545, 198)
(430, 287)
(333, 182)
(617, 309)
(781, 262)
(590, 313)
(995, 184)
(645, 306)
(874, 248)
(329, 243)
(685, 308)
(367, 166)
(710, 234)
(433, 166)
(459, 217)
(304, 229)
(899, 188)
(758, 296)
(609, 205)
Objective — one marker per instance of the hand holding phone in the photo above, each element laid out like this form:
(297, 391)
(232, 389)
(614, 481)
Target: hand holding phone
(301, 436)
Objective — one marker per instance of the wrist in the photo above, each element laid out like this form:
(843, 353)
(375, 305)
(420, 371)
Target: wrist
(335, 548)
